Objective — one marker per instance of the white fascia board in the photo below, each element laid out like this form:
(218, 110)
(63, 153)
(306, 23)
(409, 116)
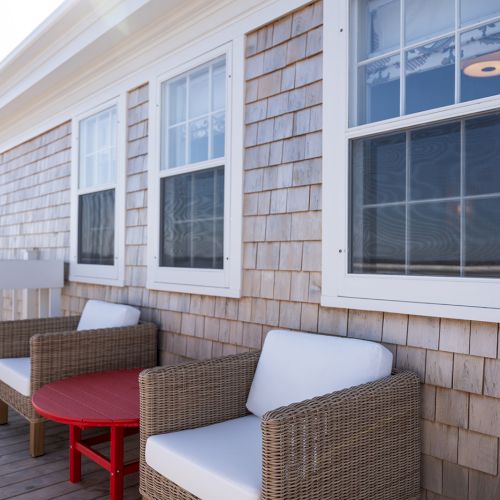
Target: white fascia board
(133, 62)
(59, 41)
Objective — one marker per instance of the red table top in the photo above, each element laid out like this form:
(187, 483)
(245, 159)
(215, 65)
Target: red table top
(103, 399)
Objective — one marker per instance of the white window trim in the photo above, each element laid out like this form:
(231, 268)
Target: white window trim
(88, 273)
(225, 282)
(461, 298)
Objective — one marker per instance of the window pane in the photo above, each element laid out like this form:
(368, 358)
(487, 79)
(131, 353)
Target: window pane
(96, 228)
(219, 85)
(192, 220)
(97, 149)
(378, 240)
(218, 135)
(378, 27)
(198, 93)
(480, 65)
(476, 10)
(379, 169)
(177, 146)
(177, 101)
(482, 155)
(378, 95)
(435, 162)
(428, 18)
(198, 140)
(434, 238)
(430, 76)
(482, 252)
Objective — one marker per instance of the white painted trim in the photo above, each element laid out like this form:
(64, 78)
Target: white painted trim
(463, 298)
(226, 282)
(99, 274)
(135, 62)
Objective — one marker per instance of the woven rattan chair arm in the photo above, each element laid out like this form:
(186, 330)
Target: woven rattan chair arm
(362, 442)
(59, 355)
(195, 394)
(15, 335)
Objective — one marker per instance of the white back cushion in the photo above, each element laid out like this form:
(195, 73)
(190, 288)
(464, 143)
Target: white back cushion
(97, 314)
(297, 366)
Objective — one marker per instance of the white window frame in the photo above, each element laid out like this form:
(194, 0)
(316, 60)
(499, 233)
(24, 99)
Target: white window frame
(461, 298)
(221, 282)
(91, 273)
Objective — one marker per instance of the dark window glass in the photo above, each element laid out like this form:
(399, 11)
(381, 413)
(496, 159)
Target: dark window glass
(434, 238)
(381, 164)
(482, 155)
(192, 220)
(434, 211)
(482, 230)
(435, 162)
(96, 228)
(378, 240)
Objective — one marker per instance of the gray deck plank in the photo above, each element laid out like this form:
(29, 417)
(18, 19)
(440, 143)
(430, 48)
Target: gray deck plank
(46, 477)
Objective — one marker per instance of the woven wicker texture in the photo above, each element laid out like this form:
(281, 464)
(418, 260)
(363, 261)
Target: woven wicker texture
(58, 351)
(359, 443)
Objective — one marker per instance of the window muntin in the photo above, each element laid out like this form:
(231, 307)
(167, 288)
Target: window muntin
(405, 55)
(96, 188)
(193, 139)
(426, 201)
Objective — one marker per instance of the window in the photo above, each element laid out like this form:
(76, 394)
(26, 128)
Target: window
(97, 179)
(413, 161)
(194, 228)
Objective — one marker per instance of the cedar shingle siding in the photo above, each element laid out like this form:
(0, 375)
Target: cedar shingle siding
(457, 360)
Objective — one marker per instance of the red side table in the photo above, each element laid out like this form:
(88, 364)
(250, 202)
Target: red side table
(106, 399)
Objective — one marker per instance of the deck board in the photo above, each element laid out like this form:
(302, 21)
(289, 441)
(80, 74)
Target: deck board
(46, 477)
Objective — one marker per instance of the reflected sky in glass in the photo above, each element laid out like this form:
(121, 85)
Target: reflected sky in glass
(379, 90)
(430, 76)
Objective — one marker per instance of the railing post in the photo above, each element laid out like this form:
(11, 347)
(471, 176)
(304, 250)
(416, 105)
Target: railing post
(29, 300)
(54, 302)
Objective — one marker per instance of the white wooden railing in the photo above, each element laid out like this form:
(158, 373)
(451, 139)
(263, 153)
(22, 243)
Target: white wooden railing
(35, 287)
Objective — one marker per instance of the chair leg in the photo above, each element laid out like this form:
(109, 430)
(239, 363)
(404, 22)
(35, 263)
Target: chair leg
(37, 438)
(4, 413)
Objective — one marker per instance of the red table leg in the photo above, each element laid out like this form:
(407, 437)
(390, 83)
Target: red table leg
(116, 477)
(75, 457)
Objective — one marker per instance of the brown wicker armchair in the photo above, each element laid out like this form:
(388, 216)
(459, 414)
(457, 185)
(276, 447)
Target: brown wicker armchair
(357, 443)
(57, 351)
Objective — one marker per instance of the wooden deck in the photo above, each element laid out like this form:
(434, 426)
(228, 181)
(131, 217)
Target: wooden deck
(46, 477)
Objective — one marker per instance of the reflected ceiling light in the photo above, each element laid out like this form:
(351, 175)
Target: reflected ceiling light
(483, 69)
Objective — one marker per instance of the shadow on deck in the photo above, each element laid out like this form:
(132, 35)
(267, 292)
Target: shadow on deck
(46, 477)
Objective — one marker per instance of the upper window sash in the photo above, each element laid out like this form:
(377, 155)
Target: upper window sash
(419, 56)
(97, 147)
(193, 112)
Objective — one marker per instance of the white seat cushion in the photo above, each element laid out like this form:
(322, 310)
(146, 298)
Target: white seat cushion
(218, 462)
(97, 314)
(16, 373)
(297, 366)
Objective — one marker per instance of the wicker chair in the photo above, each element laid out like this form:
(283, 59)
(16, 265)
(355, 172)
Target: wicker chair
(357, 443)
(57, 351)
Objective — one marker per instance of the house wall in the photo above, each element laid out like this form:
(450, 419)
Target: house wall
(457, 361)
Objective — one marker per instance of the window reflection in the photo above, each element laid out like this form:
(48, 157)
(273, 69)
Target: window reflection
(430, 76)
